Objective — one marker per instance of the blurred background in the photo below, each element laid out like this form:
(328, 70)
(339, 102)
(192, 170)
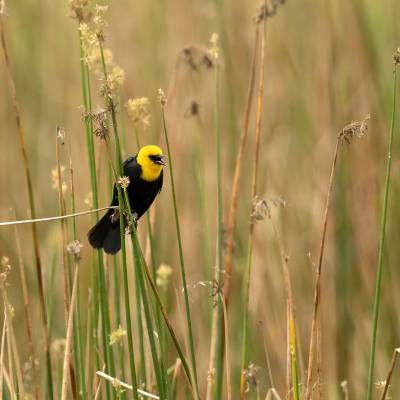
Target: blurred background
(327, 64)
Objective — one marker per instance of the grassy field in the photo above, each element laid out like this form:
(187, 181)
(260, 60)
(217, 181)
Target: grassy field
(267, 267)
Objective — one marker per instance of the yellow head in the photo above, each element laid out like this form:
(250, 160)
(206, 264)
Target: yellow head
(151, 159)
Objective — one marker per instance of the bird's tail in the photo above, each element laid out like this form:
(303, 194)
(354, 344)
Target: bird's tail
(105, 234)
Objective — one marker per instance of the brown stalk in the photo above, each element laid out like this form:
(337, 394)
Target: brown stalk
(68, 343)
(12, 344)
(317, 289)
(227, 359)
(175, 376)
(231, 222)
(24, 152)
(260, 103)
(88, 355)
(211, 361)
(390, 373)
(25, 293)
(3, 337)
(27, 303)
(61, 202)
(8, 380)
(230, 227)
(9, 353)
(289, 300)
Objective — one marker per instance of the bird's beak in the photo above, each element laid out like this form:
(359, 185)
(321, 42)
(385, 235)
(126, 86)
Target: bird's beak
(160, 160)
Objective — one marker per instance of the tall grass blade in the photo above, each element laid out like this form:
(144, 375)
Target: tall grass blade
(382, 238)
(38, 262)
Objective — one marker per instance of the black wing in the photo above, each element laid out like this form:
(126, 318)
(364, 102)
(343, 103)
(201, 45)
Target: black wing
(132, 170)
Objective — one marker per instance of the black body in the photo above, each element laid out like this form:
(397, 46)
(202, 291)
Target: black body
(105, 234)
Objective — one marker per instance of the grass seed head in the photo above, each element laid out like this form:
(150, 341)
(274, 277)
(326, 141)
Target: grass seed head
(74, 248)
(138, 110)
(192, 109)
(164, 273)
(117, 335)
(58, 347)
(123, 181)
(251, 376)
(99, 21)
(111, 86)
(267, 9)
(3, 11)
(5, 271)
(54, 178)
(396, 57)
(356, 129)
(99, 119)
(162, 99)
(213, 50)
(88, 200)
(80, 10)
(259, 210)
(61, 132)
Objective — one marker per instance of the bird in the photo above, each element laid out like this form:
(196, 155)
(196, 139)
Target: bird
(145, 173)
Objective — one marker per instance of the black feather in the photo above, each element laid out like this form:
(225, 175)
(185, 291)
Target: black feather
(105, 234)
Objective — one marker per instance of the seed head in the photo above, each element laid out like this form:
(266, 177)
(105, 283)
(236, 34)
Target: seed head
(54, 178)
(356, 129)
(267, 9)
(61, 132)
(251, 377)
(99, 21)
(74, 248)
(116, 79)
(3, 10)
(162, 98)
(195, 57)
(117, 335)
(58, 347)
(259, 209)
(396, 57)
(99, 119)
(88, 200)
(123, 181)
(79, 10)
(189, 57)
(192, 109)
(164, 273)
(116, 383)
(213, 51)
(131, 220)
(380, 384)
(88, 40)
(138, 110)
(5, 271)
(11, 311)
(28, 374)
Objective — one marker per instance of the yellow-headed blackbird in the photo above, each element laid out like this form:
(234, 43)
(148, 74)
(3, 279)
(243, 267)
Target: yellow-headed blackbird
(145, 173)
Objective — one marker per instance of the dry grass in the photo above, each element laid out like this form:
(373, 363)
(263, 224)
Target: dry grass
(276, 117)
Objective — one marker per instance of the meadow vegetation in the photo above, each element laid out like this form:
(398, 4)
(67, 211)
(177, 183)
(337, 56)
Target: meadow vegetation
(267, 266)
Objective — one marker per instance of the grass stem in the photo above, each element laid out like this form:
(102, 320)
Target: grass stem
(382, 238)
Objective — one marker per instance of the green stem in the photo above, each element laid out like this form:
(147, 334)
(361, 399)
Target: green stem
(181, 258)
(382, 243)
(220, 239)
(126, 294)
(77, 326)
(142, 265)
